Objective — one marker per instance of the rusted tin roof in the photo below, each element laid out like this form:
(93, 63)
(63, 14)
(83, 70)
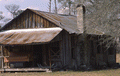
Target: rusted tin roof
(67, 22)
(28, 36)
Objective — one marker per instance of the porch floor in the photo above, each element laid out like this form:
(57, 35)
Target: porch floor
(24, 70)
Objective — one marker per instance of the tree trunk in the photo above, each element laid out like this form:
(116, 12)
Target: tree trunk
(55, 7)
(69, 7)
(50, 6)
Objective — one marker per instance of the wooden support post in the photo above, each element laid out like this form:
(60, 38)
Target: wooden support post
(44, 55)
(50, 58)
(33, 61)
(2, 56)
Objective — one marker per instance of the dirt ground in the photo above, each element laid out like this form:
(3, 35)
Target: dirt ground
(109, 72)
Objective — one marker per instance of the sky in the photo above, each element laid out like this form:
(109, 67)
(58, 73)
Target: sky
(41, 5)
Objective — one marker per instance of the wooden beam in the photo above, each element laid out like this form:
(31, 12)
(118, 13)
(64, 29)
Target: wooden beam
(44, 54)
(24, 69)
(50, 58)
(2, 56)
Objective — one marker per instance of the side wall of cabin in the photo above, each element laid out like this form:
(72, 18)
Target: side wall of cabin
(73, 54)
(98, 54)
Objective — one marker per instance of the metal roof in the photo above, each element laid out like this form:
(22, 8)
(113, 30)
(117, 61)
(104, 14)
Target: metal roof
(28, 36)
(67, 22)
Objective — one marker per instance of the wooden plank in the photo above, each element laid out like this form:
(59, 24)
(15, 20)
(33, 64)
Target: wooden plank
(50, 57)
(39, 21)
(67, 49)
(48, 24)
(17, 23)
(63, 44)
(33, 20)
(44, 25)
(36, 21)
(16, 59)
(24, 69)
(13, 27)
(2, 55)
(26, 20)
(44, 54)
(30, 20)
(23, 20)
(41, 25)
(20, 22)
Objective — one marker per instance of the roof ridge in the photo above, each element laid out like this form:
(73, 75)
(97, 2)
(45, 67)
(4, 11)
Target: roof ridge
(50, 12)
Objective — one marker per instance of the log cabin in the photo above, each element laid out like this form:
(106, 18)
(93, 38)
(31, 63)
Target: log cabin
(37, 39)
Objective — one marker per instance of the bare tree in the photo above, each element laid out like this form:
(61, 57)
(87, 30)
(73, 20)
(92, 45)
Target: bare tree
(12, 8)
(70, 4)
(49, 5)
(102, 16)
(1, 16)
(55, 6)
(65, 4)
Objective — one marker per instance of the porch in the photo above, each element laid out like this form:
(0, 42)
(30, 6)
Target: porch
(32, 56)
(30, 49)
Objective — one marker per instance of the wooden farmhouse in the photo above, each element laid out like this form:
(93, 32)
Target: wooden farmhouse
(37, 39)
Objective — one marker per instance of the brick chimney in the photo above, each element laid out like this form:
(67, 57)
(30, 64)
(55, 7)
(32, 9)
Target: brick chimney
(80, 17)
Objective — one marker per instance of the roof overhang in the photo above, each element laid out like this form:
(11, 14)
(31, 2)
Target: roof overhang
(28, 36)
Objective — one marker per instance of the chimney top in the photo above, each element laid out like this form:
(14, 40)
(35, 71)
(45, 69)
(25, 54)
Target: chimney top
(81, 5)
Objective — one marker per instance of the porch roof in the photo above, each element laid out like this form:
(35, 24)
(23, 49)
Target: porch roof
(28, 36)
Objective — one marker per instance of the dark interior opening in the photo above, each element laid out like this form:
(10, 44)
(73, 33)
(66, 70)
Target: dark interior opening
(37, 54)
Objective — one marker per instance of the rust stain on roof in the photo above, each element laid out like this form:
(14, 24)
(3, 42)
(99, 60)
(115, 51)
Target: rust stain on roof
(67, 22)
(28, 36)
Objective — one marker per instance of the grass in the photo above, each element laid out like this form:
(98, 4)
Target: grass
(109, 72)
(113, 72)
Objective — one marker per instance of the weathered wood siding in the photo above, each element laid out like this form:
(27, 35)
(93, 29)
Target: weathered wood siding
(99, 54)
(66, 48)
(29, 20)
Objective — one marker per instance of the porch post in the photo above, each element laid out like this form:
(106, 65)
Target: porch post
(2, 56)
(44, 54)
(50, 58)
